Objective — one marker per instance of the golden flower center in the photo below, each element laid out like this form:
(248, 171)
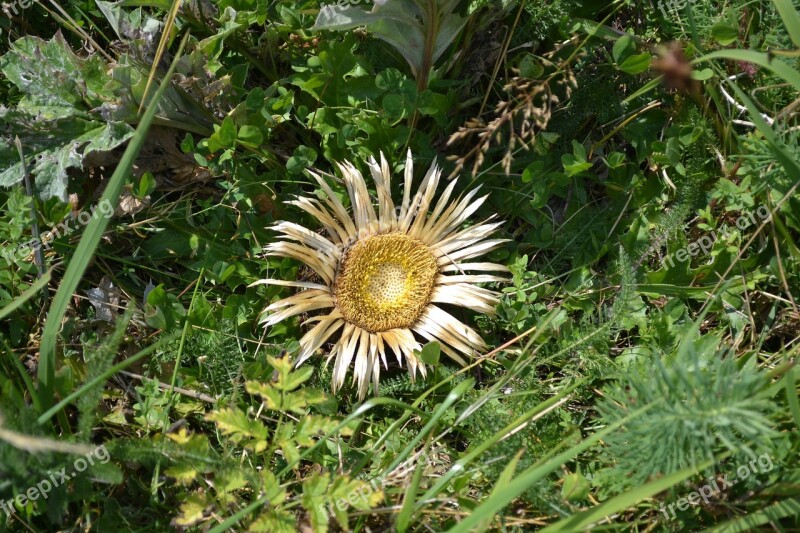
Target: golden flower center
(385, 282)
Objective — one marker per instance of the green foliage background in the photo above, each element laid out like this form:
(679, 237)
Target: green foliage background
(644, 157)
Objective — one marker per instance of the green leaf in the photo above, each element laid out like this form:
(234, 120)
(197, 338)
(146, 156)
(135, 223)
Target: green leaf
(273, 491)
(575, 487)
(302, 159)
(345, 493)
(274, 521)
(313, 426)
(430, 353)
(530, 67)
(224, 135)
(50, 75)
(393, 80)
(724, 33)
(250, 136)
(192, 511)
(703, 74)
(623, 48)
(29, 293)
(636, 64)
(402, 24)
(57, 118)
(147, 184)
(315, 500)
(241, 429)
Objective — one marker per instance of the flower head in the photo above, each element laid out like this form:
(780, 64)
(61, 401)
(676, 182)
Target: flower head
(382, 274)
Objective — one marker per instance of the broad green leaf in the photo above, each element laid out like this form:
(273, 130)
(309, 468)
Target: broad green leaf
(56, 117)
(400, 23)
(636, 64)
(623, 48)
(724, 33)
(430, 353)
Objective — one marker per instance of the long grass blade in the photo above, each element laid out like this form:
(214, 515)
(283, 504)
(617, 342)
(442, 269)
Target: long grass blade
(790, 18)
(586, 519)
(534, 473)
(752, 521)
(88, 243)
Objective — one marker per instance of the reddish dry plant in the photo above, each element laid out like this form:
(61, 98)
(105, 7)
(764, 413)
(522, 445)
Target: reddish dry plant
(527, 110)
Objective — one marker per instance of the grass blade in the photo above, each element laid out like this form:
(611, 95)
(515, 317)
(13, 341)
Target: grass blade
(29, 293)
(88, 243)
(751, 521)
(586, 519)
(790, 18)
(534, 473)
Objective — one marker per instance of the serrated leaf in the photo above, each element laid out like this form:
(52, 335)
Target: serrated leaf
(315, 500)
(183, 473)
(346, 493)
(313, 426)
(49, 73)
(273, 492)
(56, 118)
(273, 521)
(192, 511)
(241, 429)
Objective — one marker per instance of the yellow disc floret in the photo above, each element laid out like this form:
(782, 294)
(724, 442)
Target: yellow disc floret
(385, 281)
